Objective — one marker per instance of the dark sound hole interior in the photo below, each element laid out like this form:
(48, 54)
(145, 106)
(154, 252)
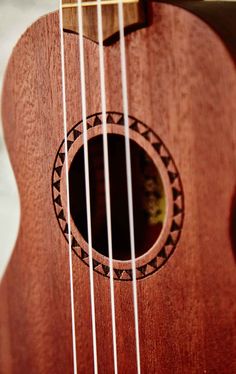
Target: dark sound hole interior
(148, 197)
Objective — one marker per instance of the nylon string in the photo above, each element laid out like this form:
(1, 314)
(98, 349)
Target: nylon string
(107, 179)
(87, 182)
(129, 177)
(64, 108)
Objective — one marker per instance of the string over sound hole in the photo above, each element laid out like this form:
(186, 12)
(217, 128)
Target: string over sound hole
(148, 197)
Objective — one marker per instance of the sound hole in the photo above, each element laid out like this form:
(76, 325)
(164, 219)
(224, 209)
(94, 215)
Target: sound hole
(148, 197)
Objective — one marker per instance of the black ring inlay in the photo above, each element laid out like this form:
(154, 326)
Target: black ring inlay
(173, 236)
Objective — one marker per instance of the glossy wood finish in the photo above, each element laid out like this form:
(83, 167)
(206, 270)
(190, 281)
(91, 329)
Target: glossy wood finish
(182, 83)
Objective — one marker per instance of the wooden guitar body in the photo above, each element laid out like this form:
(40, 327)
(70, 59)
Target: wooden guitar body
(182, 107)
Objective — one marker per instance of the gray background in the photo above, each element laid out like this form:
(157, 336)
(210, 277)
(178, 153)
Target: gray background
(15, 17)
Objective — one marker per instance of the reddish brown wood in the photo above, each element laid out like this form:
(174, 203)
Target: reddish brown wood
(182, 84)
(134, 17)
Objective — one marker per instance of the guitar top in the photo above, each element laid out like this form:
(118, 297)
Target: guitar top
(119, 118)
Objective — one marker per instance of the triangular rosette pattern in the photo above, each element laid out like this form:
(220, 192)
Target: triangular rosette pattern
(160, 258)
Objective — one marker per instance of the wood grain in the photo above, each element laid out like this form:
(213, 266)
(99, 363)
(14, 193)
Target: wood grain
(219, 15)
(134, 18)
(182, 83)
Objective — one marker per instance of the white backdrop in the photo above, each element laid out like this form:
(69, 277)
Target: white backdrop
(15, 17)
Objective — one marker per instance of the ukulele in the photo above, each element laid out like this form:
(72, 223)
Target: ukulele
(119, 117)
